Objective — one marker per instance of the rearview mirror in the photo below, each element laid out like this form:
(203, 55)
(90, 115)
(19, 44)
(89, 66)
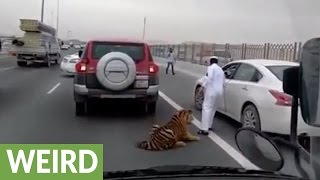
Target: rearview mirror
(310, 72)
(80, 53)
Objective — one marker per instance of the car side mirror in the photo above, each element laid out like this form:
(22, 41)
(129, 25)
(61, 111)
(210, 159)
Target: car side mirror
(80, 53)
(291, 81)
(309, 84)
(259, 149)
(227, 73)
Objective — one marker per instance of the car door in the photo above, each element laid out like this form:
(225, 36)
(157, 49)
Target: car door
(238, 89)
(229, 71)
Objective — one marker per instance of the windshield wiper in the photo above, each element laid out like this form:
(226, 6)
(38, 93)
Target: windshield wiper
(192, 171)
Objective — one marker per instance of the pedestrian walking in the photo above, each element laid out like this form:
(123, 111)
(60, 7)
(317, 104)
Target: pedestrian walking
(171, 61)
(213, 89)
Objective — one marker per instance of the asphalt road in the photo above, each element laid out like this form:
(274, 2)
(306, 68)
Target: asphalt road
(36, 106)
(33, 112)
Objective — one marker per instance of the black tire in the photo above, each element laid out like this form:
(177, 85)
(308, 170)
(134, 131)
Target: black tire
(80, 108)
(21, 63)
(151, 108)
(89, 107)
(250, 117)
(198, 95)
(47, 61)
(58, 58)
(304, 141)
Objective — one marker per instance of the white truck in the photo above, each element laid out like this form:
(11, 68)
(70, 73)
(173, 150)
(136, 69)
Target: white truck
(38, 45)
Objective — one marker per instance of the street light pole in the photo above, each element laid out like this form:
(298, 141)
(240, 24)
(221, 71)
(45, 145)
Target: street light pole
(58, 7)
(42, 10)
(144, 27)
(52, 18)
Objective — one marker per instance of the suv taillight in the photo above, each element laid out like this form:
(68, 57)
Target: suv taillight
(81, 66)
(153, 68)
(282, 99)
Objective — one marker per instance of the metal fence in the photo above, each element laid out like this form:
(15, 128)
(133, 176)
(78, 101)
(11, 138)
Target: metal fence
(195, 52)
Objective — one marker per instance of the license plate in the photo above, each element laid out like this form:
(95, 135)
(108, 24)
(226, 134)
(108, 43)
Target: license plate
(141, 84)
(124, 96)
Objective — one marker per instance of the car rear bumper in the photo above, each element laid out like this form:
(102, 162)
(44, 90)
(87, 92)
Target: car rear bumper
(277, 119)
(67, 69)
(127, 94)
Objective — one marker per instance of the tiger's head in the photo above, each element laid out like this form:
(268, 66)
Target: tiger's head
(186, 115)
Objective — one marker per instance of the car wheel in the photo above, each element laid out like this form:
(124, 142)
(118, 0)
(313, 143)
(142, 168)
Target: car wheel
(304, 141)
(198, 98)
(250, 117)
(90, 107)
(21, 63)
(80, 108)
(151, 108)
(57, 60)
(47, 59)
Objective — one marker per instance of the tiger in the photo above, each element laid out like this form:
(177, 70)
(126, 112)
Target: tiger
(171, 135)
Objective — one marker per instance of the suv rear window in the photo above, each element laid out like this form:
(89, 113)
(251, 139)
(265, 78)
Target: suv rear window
(278, 70)
(135, 51)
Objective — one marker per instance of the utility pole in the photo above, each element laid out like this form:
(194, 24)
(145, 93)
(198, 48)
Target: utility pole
(42, 10)
(144, 27)
(69, 34)
(52, 18)
(58, 7)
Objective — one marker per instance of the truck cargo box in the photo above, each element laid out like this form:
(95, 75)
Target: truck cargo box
(32, 25)
(34, 39)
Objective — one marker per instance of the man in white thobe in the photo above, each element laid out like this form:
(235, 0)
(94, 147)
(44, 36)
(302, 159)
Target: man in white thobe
(213, 89)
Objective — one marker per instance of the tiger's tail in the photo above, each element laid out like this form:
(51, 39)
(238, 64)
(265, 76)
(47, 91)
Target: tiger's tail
(146, 146)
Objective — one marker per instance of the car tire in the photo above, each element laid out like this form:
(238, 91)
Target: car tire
(151, 108)
(21, 63)
(250, 117)
(80, 108)
(58, 58)
(47, 61)
(116, 71)
(89, 107)
(198, 98)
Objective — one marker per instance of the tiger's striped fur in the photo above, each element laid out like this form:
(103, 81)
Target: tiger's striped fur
(170, 135)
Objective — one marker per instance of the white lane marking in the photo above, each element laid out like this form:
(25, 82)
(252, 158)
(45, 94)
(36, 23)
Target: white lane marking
(7, 68)
(237, 156)
(54, 88)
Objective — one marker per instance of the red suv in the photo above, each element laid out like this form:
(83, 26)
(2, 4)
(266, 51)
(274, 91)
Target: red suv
(116, 69)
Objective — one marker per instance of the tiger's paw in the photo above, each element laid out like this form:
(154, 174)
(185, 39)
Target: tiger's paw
(196, 138)
(180, 144)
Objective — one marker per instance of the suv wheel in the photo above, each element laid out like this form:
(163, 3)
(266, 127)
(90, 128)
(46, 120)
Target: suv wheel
(151, 107)
(90, 107)
(80, 108)
(21, 63)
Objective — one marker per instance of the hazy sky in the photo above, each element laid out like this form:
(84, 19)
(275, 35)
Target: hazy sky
(220, 21)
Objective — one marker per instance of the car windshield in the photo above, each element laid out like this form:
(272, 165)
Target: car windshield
(63, 86)
(135, 51)
(278, 71)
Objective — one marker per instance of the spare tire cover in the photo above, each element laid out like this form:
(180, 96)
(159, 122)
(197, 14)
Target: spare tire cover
(116, 71)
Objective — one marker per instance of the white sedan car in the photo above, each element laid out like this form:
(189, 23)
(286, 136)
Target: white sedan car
(253, 95)
(68, 64)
